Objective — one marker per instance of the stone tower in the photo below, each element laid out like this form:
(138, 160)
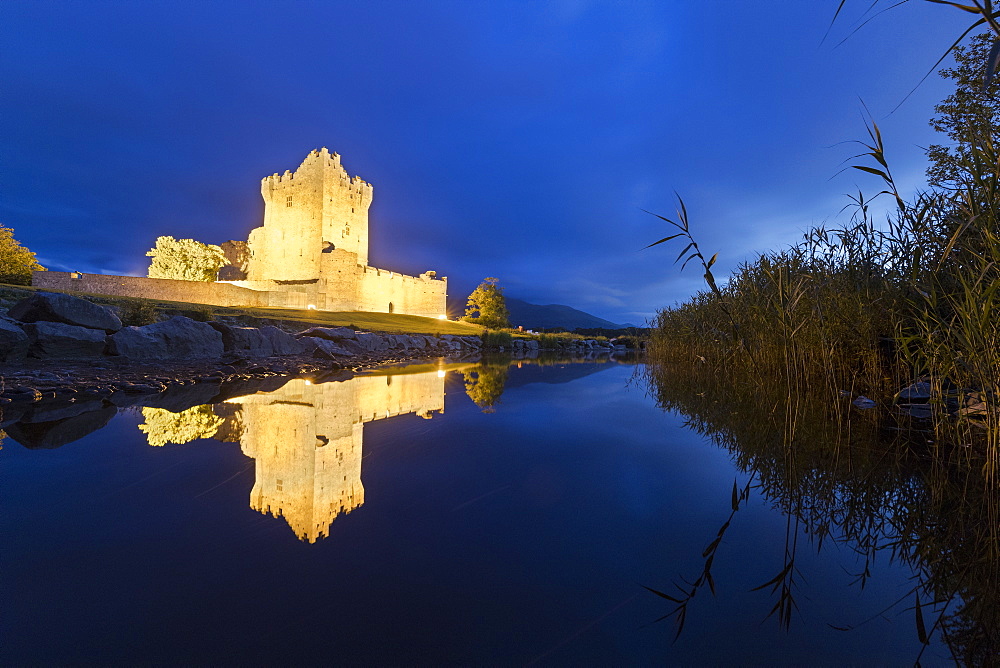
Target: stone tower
(315, 210)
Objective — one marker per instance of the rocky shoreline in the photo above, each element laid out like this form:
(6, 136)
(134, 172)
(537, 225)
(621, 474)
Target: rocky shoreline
(68, 365)
(55, 346)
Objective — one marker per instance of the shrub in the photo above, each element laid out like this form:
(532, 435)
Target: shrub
(138, 312)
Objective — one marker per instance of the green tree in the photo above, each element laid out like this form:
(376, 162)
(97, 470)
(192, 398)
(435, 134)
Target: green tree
(16, 261)
(487, 306)
(969, 117)
(185, 260)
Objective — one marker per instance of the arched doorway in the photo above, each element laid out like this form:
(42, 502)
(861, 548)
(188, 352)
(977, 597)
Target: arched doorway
(390, 307)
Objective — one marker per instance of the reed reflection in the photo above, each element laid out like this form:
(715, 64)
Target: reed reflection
(876, 483)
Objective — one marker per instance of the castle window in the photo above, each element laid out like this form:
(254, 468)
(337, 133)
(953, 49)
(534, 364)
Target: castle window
(288, 201)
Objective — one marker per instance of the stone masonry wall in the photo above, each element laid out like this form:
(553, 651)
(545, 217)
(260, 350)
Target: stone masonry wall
(199, 292)
(316, 207)
(414, 295)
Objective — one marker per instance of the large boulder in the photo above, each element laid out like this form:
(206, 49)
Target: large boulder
(177, 338)
(399, 342)
(324, 348)
(282, 343)
(55, 339)
(13, 341)
(51, 307)
(372, 342)
(243, 339)
(331, 333)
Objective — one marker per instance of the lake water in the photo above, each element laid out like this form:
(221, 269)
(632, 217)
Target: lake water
(392, 519)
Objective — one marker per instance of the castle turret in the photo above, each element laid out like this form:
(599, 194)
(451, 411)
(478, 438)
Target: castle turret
(316, 209)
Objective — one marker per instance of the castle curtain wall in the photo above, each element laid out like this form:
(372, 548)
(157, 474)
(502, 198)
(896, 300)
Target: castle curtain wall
(199, 292)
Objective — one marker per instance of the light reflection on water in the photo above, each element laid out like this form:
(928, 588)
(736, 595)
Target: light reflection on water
(516, 526)
(306, 439)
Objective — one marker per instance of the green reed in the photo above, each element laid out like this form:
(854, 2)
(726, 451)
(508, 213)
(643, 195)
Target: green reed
(867, 308)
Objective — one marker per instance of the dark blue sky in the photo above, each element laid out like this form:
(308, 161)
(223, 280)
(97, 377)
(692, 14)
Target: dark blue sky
(509, 139)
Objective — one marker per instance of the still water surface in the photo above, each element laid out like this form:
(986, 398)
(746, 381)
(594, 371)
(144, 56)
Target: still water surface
(389, 518)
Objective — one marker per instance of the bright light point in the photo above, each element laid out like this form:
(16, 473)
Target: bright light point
(442, 317)
(308, 382)
(311, 307)
(441, 374)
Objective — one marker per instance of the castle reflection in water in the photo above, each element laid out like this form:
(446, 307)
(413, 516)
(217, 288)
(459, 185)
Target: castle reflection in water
(305, 438)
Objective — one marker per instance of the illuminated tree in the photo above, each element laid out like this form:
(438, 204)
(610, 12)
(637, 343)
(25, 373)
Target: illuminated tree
(488, 302)
(16, 261)
(162, 426)
(185, 260)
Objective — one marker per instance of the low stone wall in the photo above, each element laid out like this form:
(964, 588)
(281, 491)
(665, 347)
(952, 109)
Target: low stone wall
(354, 288)
(199, 292)
(414, 295)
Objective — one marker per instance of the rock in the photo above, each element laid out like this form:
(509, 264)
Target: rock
(974, 405)
(399, 342)
(177, 338)
(919, 391)
(324, 348)
(283, 343)
(331, 333)
(13, 341)
(243, 339)
(372, 342)
(352, 346)
(55, 339)
(863, 403)
(26, 394)
(137, 342)
(51, 307)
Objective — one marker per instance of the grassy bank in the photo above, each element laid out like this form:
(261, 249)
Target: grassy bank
(137, 311)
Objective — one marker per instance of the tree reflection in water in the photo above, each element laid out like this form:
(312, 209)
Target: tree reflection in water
(485, 382)
(870, 481)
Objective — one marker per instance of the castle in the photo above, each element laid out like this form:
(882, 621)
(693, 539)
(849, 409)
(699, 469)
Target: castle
(311, 252)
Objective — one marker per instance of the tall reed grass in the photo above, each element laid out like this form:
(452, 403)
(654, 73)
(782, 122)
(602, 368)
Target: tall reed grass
(866, 308)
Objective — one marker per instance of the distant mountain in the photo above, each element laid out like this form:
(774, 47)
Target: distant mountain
(535, 316)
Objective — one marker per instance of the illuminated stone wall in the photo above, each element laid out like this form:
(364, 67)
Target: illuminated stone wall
(384, 291)
(315, 209)
(198, 292)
